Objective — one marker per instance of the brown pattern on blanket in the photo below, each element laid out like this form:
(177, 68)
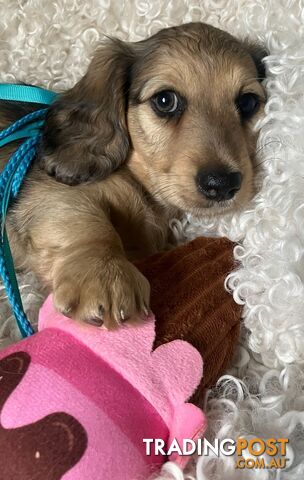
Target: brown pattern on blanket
(44, 450)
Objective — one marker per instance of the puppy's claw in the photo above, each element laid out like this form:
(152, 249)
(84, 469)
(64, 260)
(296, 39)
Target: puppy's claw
(101, 311)
(95, 321)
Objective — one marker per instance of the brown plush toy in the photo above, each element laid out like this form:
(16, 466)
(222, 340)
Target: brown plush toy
(190, 302)
(76, 401)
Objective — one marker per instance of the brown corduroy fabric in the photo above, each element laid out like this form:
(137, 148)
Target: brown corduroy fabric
(190, 302)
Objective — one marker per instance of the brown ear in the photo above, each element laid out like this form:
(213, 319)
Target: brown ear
(257, 52)
(85, 136)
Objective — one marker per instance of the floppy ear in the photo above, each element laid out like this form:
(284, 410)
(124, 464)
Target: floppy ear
(257, 52)
(85, 136)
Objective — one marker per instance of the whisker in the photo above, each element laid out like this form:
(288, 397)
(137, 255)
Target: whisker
(260, 163)
(264, 145)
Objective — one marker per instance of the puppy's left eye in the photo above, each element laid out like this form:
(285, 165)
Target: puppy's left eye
(247, 104)
(166, 103)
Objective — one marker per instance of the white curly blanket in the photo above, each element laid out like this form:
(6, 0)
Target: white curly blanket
(50, 42)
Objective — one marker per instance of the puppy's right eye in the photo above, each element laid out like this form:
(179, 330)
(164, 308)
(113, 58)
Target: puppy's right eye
(166, 103)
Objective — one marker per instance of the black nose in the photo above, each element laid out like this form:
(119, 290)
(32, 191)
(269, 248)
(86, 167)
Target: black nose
(218, 184)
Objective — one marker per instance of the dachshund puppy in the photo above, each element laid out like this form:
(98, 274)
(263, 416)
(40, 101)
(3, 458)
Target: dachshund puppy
(154, 129)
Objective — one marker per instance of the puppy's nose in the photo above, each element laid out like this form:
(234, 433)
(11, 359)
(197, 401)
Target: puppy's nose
(218, 184)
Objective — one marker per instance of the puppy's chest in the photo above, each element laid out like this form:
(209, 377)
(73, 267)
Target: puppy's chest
(142, 229)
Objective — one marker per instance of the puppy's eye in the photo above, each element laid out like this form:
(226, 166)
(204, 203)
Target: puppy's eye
(166, 103)
(247, 104)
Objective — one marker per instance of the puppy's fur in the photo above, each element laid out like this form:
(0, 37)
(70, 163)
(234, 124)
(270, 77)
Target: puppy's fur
(111, 172)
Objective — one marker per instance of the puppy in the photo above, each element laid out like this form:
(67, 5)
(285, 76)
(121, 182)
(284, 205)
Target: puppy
(154, 129)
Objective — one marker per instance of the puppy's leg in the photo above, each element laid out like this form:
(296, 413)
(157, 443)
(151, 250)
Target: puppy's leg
(96, 283)
(93, 281)
(71, 244)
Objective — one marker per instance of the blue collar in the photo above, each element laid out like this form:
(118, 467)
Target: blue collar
(29, 129)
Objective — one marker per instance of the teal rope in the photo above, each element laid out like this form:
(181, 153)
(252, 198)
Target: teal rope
(26, 93)
(11, 178)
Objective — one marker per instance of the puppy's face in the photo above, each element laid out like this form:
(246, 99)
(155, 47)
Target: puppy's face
(178, 108)
(193, 103)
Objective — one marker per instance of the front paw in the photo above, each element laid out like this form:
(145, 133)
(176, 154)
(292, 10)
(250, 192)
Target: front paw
(110, 294)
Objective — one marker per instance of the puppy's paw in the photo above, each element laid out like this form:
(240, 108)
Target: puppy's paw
(114, 292)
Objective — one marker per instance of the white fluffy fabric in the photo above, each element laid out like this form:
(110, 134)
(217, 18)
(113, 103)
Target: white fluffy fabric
(49, 43)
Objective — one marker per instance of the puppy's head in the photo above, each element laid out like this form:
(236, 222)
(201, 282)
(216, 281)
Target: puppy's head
(179, 107)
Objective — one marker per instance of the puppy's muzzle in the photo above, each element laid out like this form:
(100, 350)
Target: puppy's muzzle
(218, 185)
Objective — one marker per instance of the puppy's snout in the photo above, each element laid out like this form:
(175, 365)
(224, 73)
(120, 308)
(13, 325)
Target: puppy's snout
(218, 184)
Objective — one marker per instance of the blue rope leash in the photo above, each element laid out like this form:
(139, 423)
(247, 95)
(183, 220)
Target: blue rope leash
(29, 129)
